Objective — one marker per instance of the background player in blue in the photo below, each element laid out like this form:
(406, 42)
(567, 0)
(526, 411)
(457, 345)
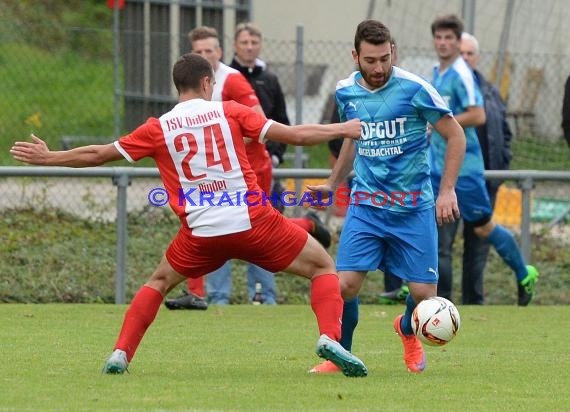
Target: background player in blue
(391, 221)
(495, 140)
(454, 80)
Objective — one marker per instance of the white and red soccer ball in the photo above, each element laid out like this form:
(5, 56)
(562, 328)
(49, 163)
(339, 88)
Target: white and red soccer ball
(435, 321)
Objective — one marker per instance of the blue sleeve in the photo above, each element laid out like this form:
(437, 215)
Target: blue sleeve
(466, 99)
(340, 108)
(430, 105)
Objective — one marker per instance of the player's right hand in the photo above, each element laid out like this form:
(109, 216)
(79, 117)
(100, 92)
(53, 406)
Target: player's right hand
(446, 207)
(352, 129)
(30, 152)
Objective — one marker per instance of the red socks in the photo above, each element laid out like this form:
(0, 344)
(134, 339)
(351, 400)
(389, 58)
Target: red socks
(139, 316)
(196, 286)
(327, 302)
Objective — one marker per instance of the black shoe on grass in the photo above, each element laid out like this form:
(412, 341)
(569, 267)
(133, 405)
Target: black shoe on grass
(187, 301)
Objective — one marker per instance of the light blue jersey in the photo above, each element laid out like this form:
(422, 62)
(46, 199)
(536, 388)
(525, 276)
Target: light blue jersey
(391, 164)
(459, 89)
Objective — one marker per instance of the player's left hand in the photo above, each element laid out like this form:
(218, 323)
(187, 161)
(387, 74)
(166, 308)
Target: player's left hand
(30, 152)
(446, 207)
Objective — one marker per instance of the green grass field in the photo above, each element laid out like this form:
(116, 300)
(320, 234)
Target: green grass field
(256, 358)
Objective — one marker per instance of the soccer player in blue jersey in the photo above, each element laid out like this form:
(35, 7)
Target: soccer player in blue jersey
(454, 80)
(391, 221)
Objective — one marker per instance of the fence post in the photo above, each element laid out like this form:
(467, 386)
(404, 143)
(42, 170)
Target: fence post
(299, 92)
(122, 181)
(526, 185)
(116, 69)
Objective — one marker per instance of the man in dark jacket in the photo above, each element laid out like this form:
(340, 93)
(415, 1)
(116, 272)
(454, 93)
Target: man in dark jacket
(566, 111)
(495, 140)
(247, 46)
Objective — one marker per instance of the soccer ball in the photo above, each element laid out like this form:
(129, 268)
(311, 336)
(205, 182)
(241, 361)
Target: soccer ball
(435, 321)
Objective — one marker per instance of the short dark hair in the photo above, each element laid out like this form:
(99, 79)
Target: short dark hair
(373, 32)
(449, 21)
(189, 71)
(203, 32)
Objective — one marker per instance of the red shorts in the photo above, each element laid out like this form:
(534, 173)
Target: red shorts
(272, 243)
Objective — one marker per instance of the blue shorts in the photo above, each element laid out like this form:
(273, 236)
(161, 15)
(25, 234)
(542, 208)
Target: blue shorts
(404, 244)
(472, 198)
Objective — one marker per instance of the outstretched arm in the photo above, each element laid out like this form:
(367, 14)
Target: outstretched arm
(37, 153)
(311, 134)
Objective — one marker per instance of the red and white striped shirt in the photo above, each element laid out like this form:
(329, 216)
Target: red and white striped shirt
(199, 150)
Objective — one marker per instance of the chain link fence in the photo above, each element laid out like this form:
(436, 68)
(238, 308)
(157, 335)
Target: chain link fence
(59, 82)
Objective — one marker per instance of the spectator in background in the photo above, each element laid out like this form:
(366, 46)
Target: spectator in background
(232, 85)
(456, 83)
(566, 111)
(247, 47)
(495, 141)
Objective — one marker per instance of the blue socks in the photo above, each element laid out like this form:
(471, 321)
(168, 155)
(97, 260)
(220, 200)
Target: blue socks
(406, 322)
(506, 247)
(349, 322)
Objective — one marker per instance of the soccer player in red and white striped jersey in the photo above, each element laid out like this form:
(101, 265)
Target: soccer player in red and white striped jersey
(232, 85)
(200, 143)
